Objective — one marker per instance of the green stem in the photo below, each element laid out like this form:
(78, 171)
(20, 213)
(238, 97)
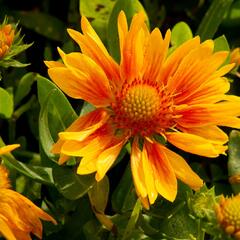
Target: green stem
(28, 155)
(12, 130)
(23, 108)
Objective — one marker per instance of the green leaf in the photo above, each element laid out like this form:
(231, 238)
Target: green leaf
(213, 18)
(221, 44)
(12, 63)
(56, 113)
(133, 220)
(181, 32)
(234, 160)
(98, 194)
(232, 19)
(86, 108)
(6, 104)
(178, 225)
(98, 11)
(37, 173)
(24, 87)
(130, 8)
(46, 25)
(124, 196)
(71, 185)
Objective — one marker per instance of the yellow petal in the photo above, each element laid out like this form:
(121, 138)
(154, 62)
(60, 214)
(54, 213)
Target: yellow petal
(193, 144)
(183, 170)
(149, 176)
(137, 170)
(133, 48)
(156, 52)
(82, 65)
(164, 177)
(6, 231)
(91, 45)
(107, 158)
(94, 118)
(176, 57)
(79, 86)
(52, 64)
(122, 29)
(83, 134)
(212, 133)
(8, 148)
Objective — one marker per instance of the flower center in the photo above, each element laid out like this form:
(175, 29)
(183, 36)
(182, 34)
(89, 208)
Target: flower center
(143, 108)
(141, 103)
(228, 214)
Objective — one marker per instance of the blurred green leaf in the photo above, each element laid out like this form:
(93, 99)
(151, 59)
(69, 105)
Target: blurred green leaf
(232, 18)
(98, 194)
(133, 220)
(24, 86)
(124, 196)
(181, 32)
(213, 18)
(98, 12)
(6, 104)
(71, 185)
(11, 63)
(179, 225)
(37, 173)
(221, 44)
(42, 23)
(86, 108)
(130, 8)
(56, 113)
(234, 160)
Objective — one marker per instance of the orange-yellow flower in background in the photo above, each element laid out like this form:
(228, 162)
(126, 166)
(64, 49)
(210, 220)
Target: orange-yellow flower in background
(6, 38)
(19, 217)
(235, 56)
(228, 215)
(180, 97)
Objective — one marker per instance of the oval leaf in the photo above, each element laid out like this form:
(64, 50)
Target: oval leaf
(6, 104)
(71, 185)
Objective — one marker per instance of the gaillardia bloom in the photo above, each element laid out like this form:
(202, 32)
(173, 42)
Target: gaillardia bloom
(178, 96)
(228, 215)
(19, 217)
(6, 38)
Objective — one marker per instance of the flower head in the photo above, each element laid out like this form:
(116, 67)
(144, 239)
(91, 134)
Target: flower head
(228, 215)
(179, 97)
(235, 56)
(19, 217)
(6, 38)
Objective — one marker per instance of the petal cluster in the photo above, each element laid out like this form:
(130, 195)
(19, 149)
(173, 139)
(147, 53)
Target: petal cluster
(19, 217)
(179, 96)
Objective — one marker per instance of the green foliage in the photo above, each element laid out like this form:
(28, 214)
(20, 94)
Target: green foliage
(234, 159)
(213, 18)
(33, 110)
(181, 32)
(6, 107)
(98, 11)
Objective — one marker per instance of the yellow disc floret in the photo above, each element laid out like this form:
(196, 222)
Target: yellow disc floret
(141, 103)
(143, 107)
(228, 215)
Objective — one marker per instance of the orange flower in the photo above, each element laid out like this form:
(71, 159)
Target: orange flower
(6, 38)
(180, 97)
(19, 217)
(235, 56)
(228, 215)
